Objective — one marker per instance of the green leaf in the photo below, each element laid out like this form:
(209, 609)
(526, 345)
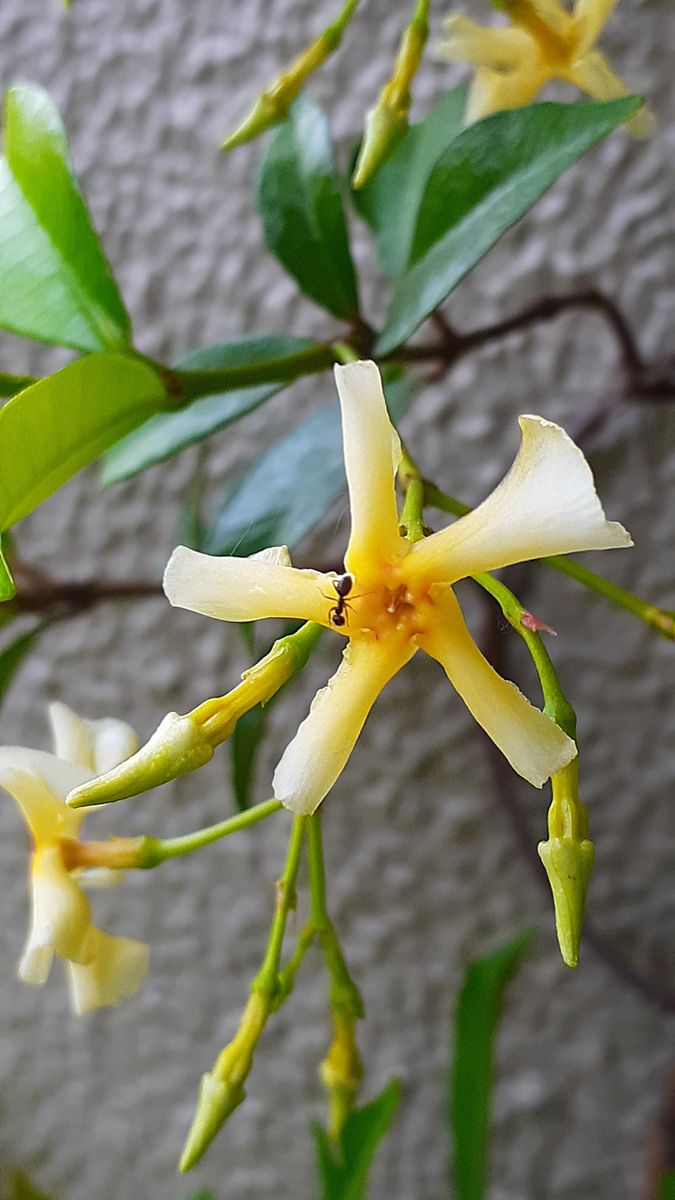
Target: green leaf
(52, 429)
(343, 1169)
(243, 746)
(484, 182)
(11, 384)
(7, 584)
(23, 1189)
(391, 201)
(167, 433)
(477, 1014)
(13, 655)
(667, 1186)
(202, 1196)
(55, 282)
(303, 218)
(292, 486)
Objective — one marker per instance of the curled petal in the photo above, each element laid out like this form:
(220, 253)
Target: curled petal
(501, 49)
(61, 921)
(593, 75)
(37, 781)
(533, 744)
(245, 589)
(117, 968)
(97, 745)
(590, 18)
(546, 504)
(319, 751)
(372, 453)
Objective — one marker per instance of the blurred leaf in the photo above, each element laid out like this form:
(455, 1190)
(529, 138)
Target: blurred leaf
(23, 1189)
(293, 485)
(56, 284)
(52, 429)
(167, 433)
(11, 384)
(202, 1196)
(477, 1015)
(484, 182)
(668, 1186)
(391, 201)
(303, 218)
(13, 655)
(7, 584)
(244, 745)
(343, 1169)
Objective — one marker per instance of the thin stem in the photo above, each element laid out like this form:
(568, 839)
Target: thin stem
(288, 974)
(159, 850)
(193, 384)
(344, 994)
(266, 982)
(412, 524)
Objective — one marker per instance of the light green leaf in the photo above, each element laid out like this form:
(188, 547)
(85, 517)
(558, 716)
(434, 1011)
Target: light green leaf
(303, 218)
(477, 1014)
(55, 282)
(167, 433)
(484, 182)
(289, 489)
(391, 201)
(7, 584)
(52, 429)
(13, 655)
(343, 1169)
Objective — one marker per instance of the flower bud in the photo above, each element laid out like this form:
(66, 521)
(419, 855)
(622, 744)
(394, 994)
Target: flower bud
(568, 859)
(216, 1102)
(341, 1072)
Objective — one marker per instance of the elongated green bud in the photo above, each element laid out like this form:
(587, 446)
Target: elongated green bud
(568, 860)
(273, 104)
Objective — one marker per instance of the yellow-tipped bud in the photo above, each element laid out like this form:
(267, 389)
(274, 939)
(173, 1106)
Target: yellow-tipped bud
(568, 860)
(384, 129)
(341, 1072)
(216, 1102)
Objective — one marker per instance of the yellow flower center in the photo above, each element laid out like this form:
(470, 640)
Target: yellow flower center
(383, 605)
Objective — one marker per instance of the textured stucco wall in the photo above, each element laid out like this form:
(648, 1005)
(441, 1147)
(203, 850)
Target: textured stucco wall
(423, 867)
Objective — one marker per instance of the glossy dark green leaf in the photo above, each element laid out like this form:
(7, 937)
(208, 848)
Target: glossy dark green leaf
(14, 654)
(391, 201)
(479, 1007)
(63, 422)
(244, 745)
(343, 1169)
(289, 489)
(301, 207)
(484, 182)
(167, 433)
(55, 282)
(11, 384)
(667, 1186)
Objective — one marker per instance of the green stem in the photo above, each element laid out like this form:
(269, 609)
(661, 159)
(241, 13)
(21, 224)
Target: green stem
(154, 851)
(659, 619)
(288, 974)
(193, 384)
(412, 524)
(344, 994)
(266, 982)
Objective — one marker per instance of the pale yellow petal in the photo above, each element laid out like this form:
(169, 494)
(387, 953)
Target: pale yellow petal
(590, 18)
(372, 453)
(593, 75)
(493, 91)
(61, 912)
(245, 589)
(117, 969)
(546, 504)
(554, 15)
(533, 744)
(501, 49)
(319, 751)
(37, 782)
(98, 745)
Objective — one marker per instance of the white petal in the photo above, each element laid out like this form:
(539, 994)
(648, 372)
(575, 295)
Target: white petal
(38, 781)
(117, 970)
(98, 745)
(502, 49)
(372, 453)
(93, 878)
(546, 504)
(279, 555)
(37, 958)
(319, 751)
(245, 589)
(61, 911)
(534, 745)
(590, 18)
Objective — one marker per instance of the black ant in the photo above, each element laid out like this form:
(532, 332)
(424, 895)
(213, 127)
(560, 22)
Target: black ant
(343, 585)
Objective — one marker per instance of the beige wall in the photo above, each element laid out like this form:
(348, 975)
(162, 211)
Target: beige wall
(423, 867)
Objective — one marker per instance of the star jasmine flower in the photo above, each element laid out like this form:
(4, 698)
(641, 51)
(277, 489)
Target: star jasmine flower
(396, 597)
(102, 969)
(543, 42)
